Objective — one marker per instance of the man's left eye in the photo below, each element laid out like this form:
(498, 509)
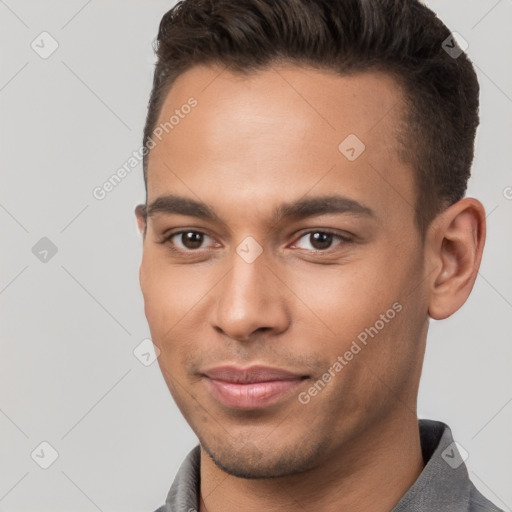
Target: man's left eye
(319, 240)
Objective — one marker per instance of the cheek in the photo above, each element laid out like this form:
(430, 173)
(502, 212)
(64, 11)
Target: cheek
(166, 291)
(165, 305)
(159, 284)
(348, 298)
(347, 302)
(175, 301)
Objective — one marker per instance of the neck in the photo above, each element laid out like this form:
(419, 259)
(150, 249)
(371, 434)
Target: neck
(370, 475)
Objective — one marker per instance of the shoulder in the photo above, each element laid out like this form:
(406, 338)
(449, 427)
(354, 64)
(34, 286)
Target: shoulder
(477, 502)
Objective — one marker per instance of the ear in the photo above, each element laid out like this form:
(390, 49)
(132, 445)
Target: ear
(455, 241)
(140, 213)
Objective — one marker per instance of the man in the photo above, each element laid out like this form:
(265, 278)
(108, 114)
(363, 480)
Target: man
(305, 166)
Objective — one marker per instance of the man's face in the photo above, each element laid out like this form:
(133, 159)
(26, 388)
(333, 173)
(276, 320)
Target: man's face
(247, 287)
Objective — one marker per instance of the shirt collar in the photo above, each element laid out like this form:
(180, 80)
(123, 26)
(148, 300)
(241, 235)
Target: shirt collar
(442, 485)
(444, 482)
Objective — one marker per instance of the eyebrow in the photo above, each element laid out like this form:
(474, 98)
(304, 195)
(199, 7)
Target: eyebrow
(302, 208)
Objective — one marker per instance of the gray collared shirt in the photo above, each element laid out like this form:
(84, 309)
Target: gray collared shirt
(443, 485)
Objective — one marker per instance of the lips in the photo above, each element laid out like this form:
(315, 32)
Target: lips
(250, 375)
(251, 388)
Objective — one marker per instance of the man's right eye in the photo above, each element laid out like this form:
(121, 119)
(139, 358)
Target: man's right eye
(185, 240)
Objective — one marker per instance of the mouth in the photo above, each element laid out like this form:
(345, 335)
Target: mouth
(253, 387)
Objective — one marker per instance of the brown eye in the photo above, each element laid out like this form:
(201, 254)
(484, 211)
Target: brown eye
(192, 239)
(319, 240)
(187, 240)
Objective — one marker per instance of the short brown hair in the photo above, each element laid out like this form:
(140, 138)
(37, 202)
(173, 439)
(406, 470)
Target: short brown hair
(401, 37)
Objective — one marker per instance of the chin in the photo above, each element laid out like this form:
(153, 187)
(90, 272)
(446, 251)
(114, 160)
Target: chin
(251, 462)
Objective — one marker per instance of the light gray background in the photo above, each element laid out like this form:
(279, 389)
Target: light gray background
(70, 325)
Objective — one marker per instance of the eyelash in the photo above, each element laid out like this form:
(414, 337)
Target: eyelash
(167, 239)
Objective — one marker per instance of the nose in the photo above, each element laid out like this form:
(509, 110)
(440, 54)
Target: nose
(251, 299)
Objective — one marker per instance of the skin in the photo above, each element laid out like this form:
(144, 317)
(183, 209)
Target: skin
(251, 144)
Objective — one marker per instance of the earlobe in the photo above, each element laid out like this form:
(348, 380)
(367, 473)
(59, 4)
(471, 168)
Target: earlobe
(456, 240)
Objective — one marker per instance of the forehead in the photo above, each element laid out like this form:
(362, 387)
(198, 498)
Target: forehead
(285, 129)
